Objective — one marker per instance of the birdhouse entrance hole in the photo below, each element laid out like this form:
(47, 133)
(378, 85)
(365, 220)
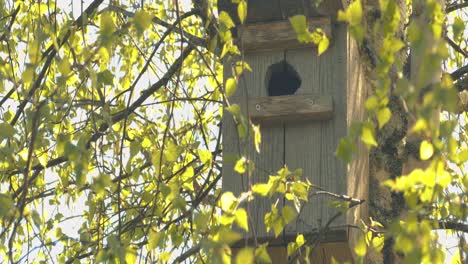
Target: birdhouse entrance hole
(282, 79)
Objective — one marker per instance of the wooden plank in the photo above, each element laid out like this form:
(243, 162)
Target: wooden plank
(278, 254)
(334, 76)
(290, 108)
(272, 10)
(270, 158)
(303, 140)
(358, 169)
(278, 35)
(311, 146)
(324, 253)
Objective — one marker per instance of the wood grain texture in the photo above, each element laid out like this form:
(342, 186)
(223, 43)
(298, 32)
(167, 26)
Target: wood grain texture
(271, 155)
(324, 253)
(311, 145)
(278, 35)
(290, 108)
(333, 76)
(303, 140)
(273, 10)
(358, 169)
(308, 144)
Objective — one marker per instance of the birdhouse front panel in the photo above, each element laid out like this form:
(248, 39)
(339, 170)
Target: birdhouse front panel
(312, 91)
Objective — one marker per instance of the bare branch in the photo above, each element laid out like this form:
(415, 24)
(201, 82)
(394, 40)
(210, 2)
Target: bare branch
(455, 7)
(458, 73)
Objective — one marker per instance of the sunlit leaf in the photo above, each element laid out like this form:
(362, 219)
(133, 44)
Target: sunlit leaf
(241, 165)
(231, 86)
(360, 248)
(142, 20)
(426, 150)
(261, 254)
(241, 219)
(323, 45)
(107, 25)
(367, 136)
(226, 19)
(242, 10)
(383, 116)
(228, 201)
(299, 23)
(262, 189)
(345, 149)
(153, 239)
(6, 131)
(245, 256)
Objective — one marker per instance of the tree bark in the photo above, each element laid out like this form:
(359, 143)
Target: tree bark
(398, 150)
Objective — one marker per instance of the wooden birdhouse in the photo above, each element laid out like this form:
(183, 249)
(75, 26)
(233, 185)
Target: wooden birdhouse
(304, 104)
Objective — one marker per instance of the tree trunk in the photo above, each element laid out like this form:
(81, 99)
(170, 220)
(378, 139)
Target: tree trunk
(398, 150)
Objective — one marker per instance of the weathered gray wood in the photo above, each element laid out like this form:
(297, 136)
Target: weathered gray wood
(290, 108)
(311, 145)
(271, 154)
(278, 35)
(334, 76)
(303, 140)
(358, 169)
(307, 144)
(272, 10)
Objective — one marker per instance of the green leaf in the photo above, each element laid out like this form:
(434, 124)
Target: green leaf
(6, 203)
(426, 150)
(234, 109)
(299, 23)
(242, 11)
(458, 27)
(170, 151)
(241, 165)
(372, 103)
(242, 219)
(263, 189)
(130, 255)
(226, 235)
(361, 248)
(245, 256)
(323, 45)
(257, 137)
(300, 240)
(107, 25)
(28, 75)
(153, 239)
(36, 217)
(231, 86)
(228, 201)
(353, 14)
(288, 214)
(367, 136)
(378, 242)
(242, 128)
(456, 258)
(261, 254)
(64, 67)
(300, 190)
(226, 20)
(383, 116)
(205, 156)
(6, 131)
(142, 20)
(345, 149)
